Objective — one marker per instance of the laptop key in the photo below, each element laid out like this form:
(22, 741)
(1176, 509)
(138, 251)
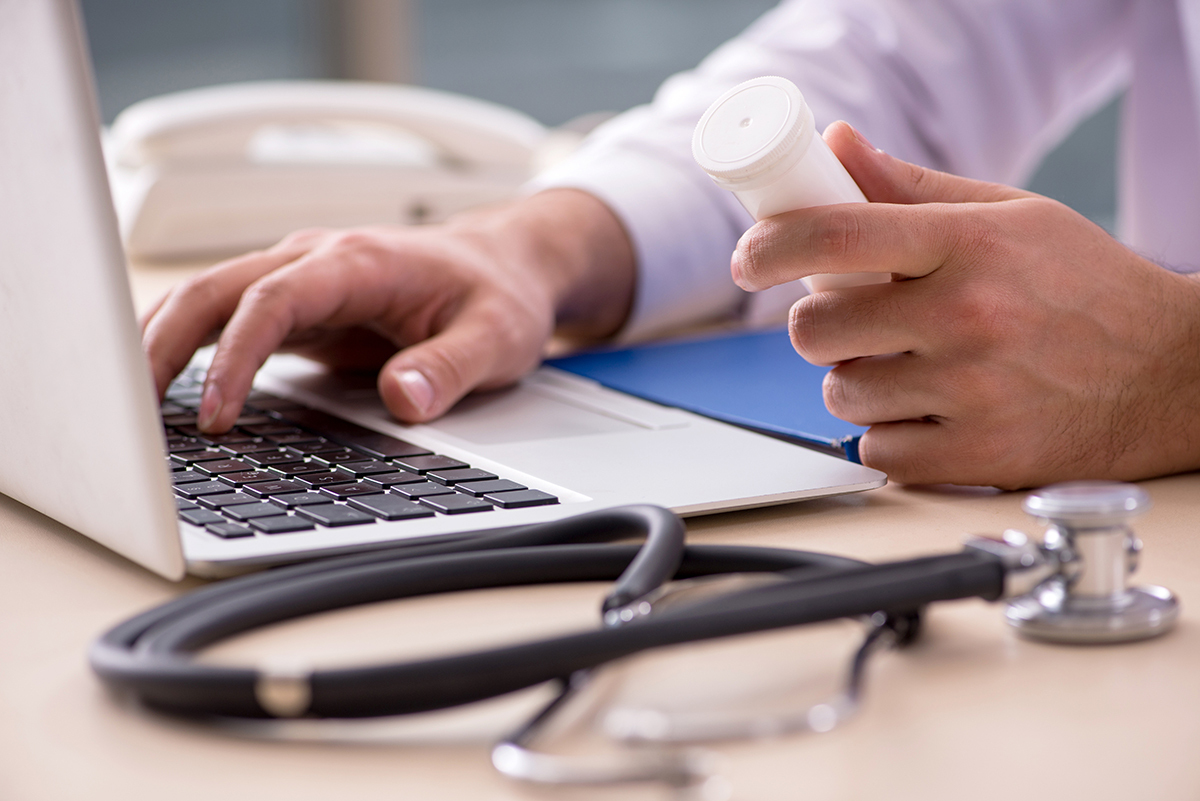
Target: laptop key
(344, 491)
(188, 477)
(245, 477)
(369, 467)
(219, 466)
(291, 436)
(381, 446)
(331, 458)
(294, 499)
(265, 488)
(226, 499)
(242, 448)
(186, 445)
(415, 491)
(229, 531)
(326, 479)
(252, 420)
(183, 503)
(200, 488)
(390, 507)
(195, 457)
(269, 403)
(481, 488)
(331, 514)
(454, 503)
(518, 499)
(391, 479)
(463, 474)
(254, 510)
(281, 525)
(180, 419)
(314, 446)
(296, 469)
(224, 439)
(201, 517)
(272, 459)
(272, 428)
(423, 464)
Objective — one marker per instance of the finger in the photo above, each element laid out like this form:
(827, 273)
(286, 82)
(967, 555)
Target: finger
(149, 314)
(325, 287)
(892, 388)
(911, 241)
(827, 328)
(884, 179)
(189, 314)
(938, 452)
(910, 452)
(484, 347)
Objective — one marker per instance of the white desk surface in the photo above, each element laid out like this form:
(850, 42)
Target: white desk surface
(971, 711)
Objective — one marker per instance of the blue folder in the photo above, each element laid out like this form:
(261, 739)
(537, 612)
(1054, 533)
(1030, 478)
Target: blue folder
(755, 380)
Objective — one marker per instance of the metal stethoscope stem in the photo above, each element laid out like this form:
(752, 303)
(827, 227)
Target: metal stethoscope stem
(1087, 600)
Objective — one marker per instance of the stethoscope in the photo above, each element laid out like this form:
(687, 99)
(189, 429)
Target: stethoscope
(1069, 588)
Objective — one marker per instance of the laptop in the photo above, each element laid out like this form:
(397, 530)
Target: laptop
(315, 466)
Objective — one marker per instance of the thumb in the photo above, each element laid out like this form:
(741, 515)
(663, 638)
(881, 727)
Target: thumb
(884, 179)
(423, 381)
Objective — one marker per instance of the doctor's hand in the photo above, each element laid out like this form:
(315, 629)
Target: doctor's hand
(1018, 344)
(442, 309)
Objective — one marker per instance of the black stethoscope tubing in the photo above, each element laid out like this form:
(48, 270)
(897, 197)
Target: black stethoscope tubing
(150, 655)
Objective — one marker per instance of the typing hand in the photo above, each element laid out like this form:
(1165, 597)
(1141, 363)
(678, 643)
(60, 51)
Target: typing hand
(1018, 345)
(443, 309)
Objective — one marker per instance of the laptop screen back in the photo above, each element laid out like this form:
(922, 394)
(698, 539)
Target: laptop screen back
(77, 406)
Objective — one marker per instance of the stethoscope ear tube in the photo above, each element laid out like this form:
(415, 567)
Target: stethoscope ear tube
(149, 656)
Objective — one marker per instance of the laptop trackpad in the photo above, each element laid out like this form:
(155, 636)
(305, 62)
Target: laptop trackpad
(546, 404)
(521, 413)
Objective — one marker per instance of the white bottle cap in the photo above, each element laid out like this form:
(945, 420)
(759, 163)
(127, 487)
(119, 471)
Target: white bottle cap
(756, 130)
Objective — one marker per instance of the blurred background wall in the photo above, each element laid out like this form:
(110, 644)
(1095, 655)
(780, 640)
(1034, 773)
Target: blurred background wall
(553, 59)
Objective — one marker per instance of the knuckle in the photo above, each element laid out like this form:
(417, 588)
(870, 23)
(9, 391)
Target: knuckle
(978, 316)
(803, 327)
(984, 239)
(268, 296)
(352, 240)
(198, 292)
(836, 394)
(302, 238)
(753, 250)
(917, 177)
(837, 235)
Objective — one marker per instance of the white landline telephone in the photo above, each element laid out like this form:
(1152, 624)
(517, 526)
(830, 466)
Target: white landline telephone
(225, 169)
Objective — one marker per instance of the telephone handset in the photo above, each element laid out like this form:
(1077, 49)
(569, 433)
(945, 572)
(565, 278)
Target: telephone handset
(225, 169)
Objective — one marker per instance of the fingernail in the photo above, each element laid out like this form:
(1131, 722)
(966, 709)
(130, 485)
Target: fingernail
(866, 142)
(735, 267)
(418, 389)
(210, 406)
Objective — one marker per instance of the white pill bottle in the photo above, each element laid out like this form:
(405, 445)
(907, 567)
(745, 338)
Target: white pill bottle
(759, 141)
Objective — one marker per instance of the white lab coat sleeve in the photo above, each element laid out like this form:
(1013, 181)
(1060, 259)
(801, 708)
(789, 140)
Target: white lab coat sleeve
(981, 88)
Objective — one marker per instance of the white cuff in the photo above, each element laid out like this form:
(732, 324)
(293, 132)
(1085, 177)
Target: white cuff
(683, 230)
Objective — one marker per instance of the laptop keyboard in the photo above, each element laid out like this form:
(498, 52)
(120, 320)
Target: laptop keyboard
(285, 467)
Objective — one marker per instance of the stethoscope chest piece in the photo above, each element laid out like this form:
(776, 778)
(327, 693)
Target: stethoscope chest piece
(1087, 600)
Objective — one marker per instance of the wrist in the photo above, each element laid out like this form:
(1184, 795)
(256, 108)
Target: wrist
(572, 246)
